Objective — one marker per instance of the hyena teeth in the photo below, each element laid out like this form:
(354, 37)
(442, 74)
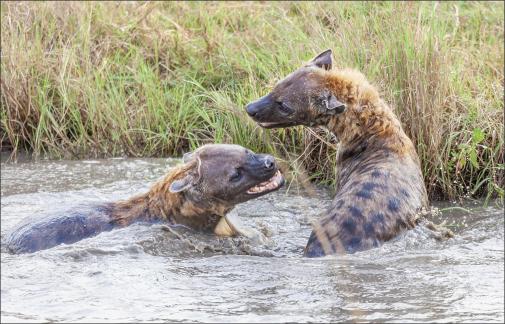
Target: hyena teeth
(271, 184)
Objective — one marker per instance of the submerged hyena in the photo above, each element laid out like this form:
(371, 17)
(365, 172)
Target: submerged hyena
(198, 194)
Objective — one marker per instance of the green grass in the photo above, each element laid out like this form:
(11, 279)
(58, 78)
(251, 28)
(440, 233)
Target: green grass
(158, 79)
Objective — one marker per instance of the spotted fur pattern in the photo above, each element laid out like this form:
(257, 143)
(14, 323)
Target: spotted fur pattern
(380, 188)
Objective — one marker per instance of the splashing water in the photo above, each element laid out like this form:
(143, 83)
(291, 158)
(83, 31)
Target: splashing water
(149, 273)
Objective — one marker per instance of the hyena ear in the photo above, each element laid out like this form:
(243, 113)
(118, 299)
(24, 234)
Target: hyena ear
(323, 60)
(330, 105)
(335, 106)
(191, 178)
(181, 184)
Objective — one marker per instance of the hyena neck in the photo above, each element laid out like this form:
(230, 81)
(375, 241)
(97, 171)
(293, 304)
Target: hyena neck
(159, 204)
(368, 123)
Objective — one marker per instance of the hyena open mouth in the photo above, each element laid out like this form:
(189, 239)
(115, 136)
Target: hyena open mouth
(271, 184)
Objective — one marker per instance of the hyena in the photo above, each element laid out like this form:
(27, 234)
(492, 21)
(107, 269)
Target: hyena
(380, 187)
(198, 194)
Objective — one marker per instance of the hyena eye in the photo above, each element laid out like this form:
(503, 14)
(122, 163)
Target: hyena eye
(236, 176)
(284, 108)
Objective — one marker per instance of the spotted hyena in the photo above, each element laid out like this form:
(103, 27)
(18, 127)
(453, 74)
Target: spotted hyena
(380, 187)
(197, 194)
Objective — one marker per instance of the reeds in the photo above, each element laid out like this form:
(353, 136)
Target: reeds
(96, 79)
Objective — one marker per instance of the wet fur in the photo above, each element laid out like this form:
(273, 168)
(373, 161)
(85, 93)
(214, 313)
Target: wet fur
(197, 194)
(159, 204)
(380, 188)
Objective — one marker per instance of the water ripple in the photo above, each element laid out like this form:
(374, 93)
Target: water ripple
(143, 273)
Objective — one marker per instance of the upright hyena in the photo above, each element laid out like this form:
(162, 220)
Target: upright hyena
(197, 194)
(380, 187)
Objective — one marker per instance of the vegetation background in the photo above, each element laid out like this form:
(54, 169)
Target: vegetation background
(97, 79)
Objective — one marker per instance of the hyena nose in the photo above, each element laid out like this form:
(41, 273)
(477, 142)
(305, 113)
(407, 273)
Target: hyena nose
(269, 162)
(256, 106)
(252, 109)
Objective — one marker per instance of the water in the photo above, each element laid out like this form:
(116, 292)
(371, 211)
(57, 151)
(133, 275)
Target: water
(144, 273)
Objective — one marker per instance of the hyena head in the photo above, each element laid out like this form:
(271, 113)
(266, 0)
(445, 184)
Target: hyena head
(226, 175)
(302, 98)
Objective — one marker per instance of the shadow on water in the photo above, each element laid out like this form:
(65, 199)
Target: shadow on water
(146, 273)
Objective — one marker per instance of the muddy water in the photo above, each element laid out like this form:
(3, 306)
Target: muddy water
(144, 273)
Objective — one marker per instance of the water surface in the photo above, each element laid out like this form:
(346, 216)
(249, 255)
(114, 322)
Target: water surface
(144, 273)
